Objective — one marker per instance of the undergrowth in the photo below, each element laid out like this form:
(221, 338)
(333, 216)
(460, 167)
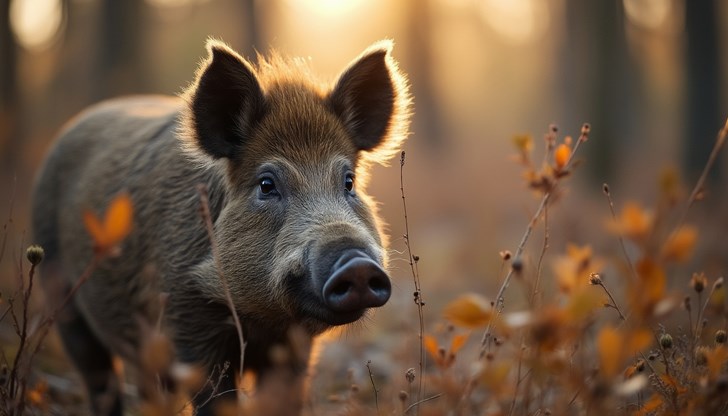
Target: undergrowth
(616, 337)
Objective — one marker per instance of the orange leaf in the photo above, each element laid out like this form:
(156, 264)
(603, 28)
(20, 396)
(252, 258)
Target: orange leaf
(93, 226)
(561, 156)
(650, 287)
(583, 302)
(457, 342)
(717, 357)
(609, 344)
(470, 311)
(638, 340)
(633, 222)
(118, 220)
(651, 405)
(680, 245)
(115, 226)
(431, 346)
(495, 376)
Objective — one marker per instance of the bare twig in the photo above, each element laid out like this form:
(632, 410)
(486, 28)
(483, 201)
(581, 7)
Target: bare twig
(376, 392)
(416, 278)
(698, 189)
(608, 194)
(207, 217)
(613, 303)
(544, 248)
(419, 402)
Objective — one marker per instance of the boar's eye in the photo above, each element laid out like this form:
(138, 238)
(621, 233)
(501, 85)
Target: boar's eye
(267, 187)
(349, 182)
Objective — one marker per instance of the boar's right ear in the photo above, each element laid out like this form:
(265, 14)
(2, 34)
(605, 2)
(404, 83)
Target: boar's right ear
(223, 103)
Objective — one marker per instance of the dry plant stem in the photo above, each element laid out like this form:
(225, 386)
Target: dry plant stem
(719, 143)
(608, 194)
(613, 303)
(10, 218)
(518, 377)
(673, 392)
(701, 314)
(374, 386)
(416, 279)
(646, 360)
(215, 386)
(207, 217)
(23, 332)
(419, 402)
(544, 248)
(50, 319)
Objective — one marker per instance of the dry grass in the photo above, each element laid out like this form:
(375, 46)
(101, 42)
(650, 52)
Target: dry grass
(614, 337)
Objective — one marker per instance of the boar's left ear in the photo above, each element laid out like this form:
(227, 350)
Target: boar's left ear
(372, 100)
(223, 103)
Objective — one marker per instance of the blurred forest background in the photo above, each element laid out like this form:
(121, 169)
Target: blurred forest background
(649, 75)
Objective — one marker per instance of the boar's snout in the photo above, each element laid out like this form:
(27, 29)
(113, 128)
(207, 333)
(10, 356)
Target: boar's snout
(356, 283)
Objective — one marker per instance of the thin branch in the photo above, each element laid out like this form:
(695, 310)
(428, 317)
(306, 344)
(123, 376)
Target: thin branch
(608, 194)
(376, 392)
(416, 278)
(419, 402)
(207, 218)
(544, 248)
(698, 189)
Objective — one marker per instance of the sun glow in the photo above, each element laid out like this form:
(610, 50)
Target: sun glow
(327, 8)
(518, 21)
(36, 23)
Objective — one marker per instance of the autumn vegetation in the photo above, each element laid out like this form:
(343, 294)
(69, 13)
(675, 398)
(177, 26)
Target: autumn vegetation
(615, 337)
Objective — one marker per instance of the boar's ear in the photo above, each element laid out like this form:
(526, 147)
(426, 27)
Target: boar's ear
(223, 104)
(372, 100)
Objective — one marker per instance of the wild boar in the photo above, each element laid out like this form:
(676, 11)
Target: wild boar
(284, 159)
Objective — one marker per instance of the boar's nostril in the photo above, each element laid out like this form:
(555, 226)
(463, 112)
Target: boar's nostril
(357, 284)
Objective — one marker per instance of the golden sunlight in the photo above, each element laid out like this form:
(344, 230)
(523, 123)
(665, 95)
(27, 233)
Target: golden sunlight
(327, 8)
(650, 14)
(173, 3)
(517, 21)
(35, 23)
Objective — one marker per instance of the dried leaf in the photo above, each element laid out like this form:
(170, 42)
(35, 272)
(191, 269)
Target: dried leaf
(633, 222)
(583, 302)
(523, 142)
(679, 247)
(651, 405)
(458, 341)
(649, 289)
(609, 345)
(572, 270)
(114, 227)
(561, 156)
(431, 346)
(118, 220)
(717, 357)
(638, 340)
(469, 311)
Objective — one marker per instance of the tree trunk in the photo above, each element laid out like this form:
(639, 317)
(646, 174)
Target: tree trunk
(703, 85)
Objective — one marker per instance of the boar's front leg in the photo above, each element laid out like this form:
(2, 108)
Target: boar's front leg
(204, 336)
(93, 360)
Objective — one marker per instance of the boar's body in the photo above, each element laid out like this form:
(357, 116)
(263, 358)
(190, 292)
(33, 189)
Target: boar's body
(296, 243)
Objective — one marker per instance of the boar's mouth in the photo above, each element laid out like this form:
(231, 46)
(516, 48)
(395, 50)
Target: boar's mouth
(354, 283)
